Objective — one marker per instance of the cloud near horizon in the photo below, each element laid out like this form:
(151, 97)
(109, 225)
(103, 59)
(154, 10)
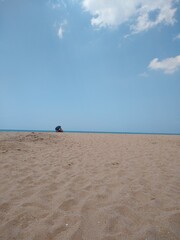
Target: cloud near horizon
(145, 14)
(168, 65)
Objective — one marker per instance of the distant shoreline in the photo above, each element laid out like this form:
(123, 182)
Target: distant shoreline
(96, 132)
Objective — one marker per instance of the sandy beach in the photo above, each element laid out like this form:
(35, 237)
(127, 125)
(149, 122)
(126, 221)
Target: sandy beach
(70, 186)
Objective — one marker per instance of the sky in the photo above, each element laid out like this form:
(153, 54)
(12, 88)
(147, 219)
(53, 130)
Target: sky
(90, 65)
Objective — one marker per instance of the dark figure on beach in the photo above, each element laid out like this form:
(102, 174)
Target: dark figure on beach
(58, 129)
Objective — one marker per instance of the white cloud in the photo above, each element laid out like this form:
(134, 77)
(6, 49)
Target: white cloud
(141, 14)
(168, 65)
(60, 27)
(57, 4)
(60, 32)
(144, 75)
(177, 37)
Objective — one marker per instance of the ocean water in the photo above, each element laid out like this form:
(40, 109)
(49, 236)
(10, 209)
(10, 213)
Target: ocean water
(24, 130)
(98, 132)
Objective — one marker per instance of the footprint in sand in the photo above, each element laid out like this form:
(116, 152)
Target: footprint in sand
(68, 205)
(4, 207)
(174, 222)
(115, 163)
(77, 235)
(159, 234)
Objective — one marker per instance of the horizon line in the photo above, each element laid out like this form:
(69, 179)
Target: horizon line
(87, 131)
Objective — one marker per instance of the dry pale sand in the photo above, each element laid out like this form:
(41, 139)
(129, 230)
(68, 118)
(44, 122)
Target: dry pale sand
(89, 186)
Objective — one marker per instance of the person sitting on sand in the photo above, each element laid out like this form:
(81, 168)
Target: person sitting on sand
(58, 129)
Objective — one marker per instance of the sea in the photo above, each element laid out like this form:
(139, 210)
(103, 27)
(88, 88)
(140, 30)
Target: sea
(98, 132)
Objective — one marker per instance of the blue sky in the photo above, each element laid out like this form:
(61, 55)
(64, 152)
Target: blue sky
(90, 65)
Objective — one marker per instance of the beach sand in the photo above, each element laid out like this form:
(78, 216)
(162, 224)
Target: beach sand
(70, 186)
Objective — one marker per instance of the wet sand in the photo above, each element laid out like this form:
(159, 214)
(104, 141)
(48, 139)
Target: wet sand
(64, 186)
